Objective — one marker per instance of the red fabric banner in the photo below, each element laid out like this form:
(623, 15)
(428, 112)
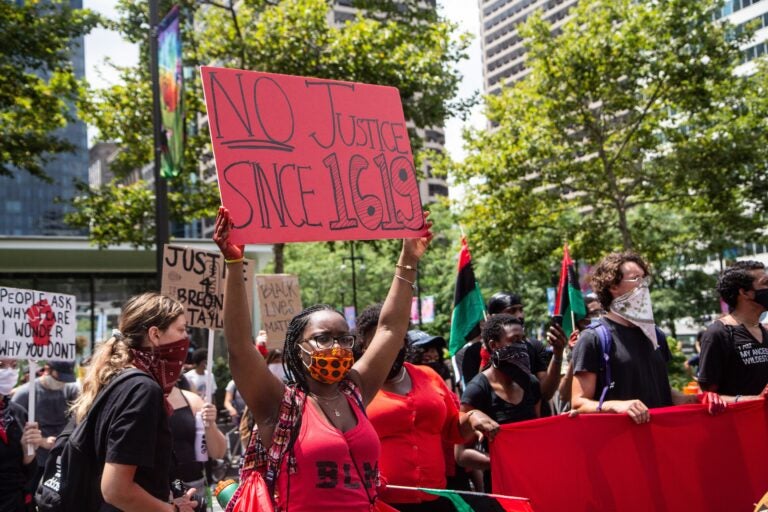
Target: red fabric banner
(684, 459)
(305, 159)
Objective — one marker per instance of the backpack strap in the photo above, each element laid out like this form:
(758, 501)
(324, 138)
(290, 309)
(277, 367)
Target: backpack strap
(606, 341)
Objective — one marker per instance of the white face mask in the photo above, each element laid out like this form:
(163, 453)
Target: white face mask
(635, 307)
(8, 379)
(277, 370)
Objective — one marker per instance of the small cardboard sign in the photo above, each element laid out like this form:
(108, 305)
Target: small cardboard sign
(196, 278)
(37, 325)
(279, 302)
(306, 159)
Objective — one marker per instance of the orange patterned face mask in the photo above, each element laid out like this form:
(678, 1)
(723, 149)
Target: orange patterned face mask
(329, 365)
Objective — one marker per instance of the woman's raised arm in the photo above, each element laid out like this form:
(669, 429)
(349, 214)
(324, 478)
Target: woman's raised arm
(260, 389)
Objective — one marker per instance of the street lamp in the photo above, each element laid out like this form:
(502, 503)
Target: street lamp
(352, 259)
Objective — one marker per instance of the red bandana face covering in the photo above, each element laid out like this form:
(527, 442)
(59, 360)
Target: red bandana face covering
(163, 363)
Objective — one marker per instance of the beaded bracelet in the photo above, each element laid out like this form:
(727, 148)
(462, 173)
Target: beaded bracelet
(412, 283)
(240, 260)
(405, 267)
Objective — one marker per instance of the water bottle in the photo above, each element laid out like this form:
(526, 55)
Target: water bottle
(201, 448)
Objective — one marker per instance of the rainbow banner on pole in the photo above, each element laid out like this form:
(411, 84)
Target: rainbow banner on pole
(171, 94)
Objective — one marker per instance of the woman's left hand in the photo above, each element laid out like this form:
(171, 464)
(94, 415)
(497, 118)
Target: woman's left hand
(31, 435)
(209, 414)
(414, 248)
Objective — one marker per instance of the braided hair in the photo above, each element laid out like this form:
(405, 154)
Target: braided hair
(292, 363)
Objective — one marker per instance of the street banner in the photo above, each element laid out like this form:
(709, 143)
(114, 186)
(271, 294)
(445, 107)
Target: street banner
(428, 309)
(683, 459)
(171, 77)
(196, 278)
(306, 159)
(279, 302)
(37, 325)
(350, 315)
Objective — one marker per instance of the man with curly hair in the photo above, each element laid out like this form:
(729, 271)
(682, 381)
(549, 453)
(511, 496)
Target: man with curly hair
(734, 349)
(634, 377)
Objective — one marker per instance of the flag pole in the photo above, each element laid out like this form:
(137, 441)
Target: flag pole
(469, 493)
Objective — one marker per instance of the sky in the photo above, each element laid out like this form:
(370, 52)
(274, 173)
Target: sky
(102, 43)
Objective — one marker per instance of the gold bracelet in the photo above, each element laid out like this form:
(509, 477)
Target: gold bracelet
(405, 267)
(412, 283)
(233, 261)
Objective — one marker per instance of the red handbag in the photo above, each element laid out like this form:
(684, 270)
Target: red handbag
(253, 495)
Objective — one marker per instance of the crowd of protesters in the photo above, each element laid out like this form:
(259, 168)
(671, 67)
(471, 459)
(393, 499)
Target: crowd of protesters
(342, 419)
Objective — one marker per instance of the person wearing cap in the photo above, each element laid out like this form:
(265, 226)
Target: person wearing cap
(427, 350)
(505, 392)
(54, 393)
(413, 413)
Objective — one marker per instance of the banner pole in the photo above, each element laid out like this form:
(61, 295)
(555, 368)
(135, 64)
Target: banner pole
(209, 370)
(31, 404)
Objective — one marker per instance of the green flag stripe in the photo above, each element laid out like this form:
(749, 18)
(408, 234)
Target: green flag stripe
(456, 500)
(466, 315)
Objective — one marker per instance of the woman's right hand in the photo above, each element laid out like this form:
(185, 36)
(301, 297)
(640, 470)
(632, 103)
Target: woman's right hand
(483, 424)
(221, 232)
(414, 248)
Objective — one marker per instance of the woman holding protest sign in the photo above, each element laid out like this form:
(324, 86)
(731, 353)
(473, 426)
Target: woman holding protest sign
(16, 466)
(336, 468)
(131, 375)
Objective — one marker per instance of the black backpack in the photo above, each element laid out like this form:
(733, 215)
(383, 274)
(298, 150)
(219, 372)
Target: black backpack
(72, 475)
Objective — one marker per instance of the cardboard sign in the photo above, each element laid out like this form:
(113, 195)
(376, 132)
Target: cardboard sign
(305, 159)
(279, 302)
(196, 279)
(37, 325)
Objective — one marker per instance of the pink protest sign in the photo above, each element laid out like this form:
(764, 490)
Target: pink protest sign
(304, 159)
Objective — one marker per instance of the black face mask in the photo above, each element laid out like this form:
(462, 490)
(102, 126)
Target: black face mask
(761, 297)
(514, 361)
(397, 365)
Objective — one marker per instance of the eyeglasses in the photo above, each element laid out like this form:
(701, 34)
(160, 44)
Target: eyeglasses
(327, 341)
(644, 280)
(11, 364)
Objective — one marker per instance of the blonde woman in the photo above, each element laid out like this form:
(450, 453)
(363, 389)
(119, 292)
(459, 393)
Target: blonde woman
(131, 436)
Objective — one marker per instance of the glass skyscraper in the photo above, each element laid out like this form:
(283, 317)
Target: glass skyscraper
(31, 206)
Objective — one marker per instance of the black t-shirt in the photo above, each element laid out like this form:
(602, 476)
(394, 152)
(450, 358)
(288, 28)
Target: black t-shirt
(13, 473)
(639, 370)
(733, 361)
(480, 395)
(132, 428)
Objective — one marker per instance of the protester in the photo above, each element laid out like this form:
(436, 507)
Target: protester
(16, 466)
(504, 392)
(187, 465)
(427, 350)
(132, 440)
(638, 353)
(334, 468)
(199, 374)
(413, 413)
(734, 349)
(545, 365)
(233, 402)
(54, 394)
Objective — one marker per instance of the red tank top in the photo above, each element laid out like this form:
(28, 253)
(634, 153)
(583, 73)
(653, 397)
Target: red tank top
(334, 470)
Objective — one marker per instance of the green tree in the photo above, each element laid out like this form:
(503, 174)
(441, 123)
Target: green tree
(288, 36)
(632, 108)
(37, 82)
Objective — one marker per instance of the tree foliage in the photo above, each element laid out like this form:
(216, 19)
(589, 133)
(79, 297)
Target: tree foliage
(37, 81)
(288, 36)
(633, 104)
